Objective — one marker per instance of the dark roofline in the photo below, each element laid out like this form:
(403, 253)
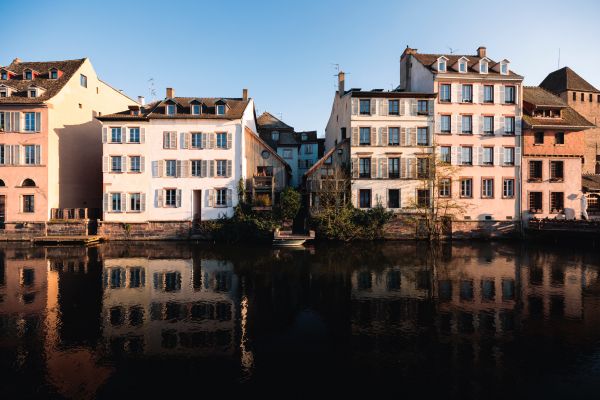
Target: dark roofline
(269, 148)
(325, 157)
(392, 95)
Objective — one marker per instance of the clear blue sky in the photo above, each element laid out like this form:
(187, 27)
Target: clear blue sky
(283, 51)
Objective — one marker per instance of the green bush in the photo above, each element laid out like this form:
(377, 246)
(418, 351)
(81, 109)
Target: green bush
(244, 226)
(290, 202)
(348, 223)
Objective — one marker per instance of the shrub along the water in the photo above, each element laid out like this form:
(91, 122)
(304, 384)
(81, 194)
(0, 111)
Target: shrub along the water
(348, 223)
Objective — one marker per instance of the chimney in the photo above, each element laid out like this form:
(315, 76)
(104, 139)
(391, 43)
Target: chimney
(141, 100)
(17, 61)
(341, 83)
(481, 52)
(170, 93)
(245, 94)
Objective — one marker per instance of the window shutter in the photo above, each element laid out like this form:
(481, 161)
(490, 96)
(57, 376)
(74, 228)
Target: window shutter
(454, 122)
(158, 198)
(413, 107)
(354, 106)
(185, 168)
(475, 124)
(402, 106)
(123, 202)
(481, 93)
(183, 143)
(16, 122)
(373, 167)
(211, 137)
(384, 136)
(203, 141)
(481, 120)
(229, 197)
(142, 164)
(413, 136)
(16, 158)
(384, 107)
(355, 136)
(383, 162)
(517, 155)
(105, 202)
(104, 134)
(373, 106)
(403, 164)
(3, 151)
(412, 167)
(178, 169)
(123, 163)
(178, 198)
(38, 121)
(497, 94)
(355, 168)
(459, 124)
(518, 126)
(498, 153)
(211, 197)
(173, 140)
(161, 168)
(478, 155)
(373, 136)
(229, 168)
(455, 93)
(229, 140)
(38, 154)
(497, 130)
(166, 141)
(430, 105)
(7, 121)
(476, 93)
(155, 169)
(142, 202)
(124, 136)
(438, 123)
(212, 168)
(502, 94)
(456, 155)
(203, 168)
(408, 137)
(402, 136)
(142, 135)
(105, 167)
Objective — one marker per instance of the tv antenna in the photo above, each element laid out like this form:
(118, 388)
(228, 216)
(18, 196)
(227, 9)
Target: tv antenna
(151, 89)
(452, 51)
(558, 63)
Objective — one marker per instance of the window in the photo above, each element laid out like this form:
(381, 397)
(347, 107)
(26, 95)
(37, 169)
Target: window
(30, 156)
(535, 170)
(487, 188)
(394, 136)
(488, 125)
(488, 156)
(574, 96)
(556, 170)
(196, 109)
(423, 107)
(394, 168)
(508, 188)
(559, 138)
(483, 67)
(394, 107)
(275, 136)
(394, 198)
(53, 74)
(445, 154)
(423, 198)
(29, 121)
(28, 74)
(287, 153)
(171, 168)
(28, 183)
(509, 125)
(467, 124)
(116, 202)
(488, 94)
(442, 65)
(221, 197)
(28, 203)
(135, 164)
(365, 198)
(582, 97)
(222, 168)
(509, 94)
(422, 137)
(135, 202)
(3, 93)
(535, 202)
(422, 168)
(196, 166)
(365, 107)
(171, 109)
(445, 187)
(196, 140)
(466, 155)
(504, 68)
(445, 122)
(467, 93)
(462, 67)
(221, 140)
(83, 80)
(171, 197)
(134, 135)
(33, 93)
(221, 109)
(365, 136)
(445, 93)
(509, 156)
(557, 202)
(590, 97)
(115, 135)
(364, 167)
(343, 132)
(3, 76)
(538, 138)
(466, 187)
(169, 140)
(115, 164)
(303, 137)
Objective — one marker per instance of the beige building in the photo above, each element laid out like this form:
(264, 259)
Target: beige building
(50, 143)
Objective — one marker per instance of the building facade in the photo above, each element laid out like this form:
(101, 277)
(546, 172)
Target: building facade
(553, 150)
(477, 129)
(391, 146)
(175, 160)
(584, 98)
(50, 149)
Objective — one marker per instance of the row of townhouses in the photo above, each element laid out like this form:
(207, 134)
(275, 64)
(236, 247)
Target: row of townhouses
(458, 128)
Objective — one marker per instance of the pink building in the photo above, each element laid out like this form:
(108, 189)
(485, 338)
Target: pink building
(477, 130)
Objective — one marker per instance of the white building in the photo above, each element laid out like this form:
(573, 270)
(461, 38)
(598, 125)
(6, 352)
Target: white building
(178, 159)
(391, 146)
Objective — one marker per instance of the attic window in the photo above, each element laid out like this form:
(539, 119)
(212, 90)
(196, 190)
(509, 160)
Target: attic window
(171, 109)
(3, 93)
(196, 109)
(28, 74)
(304, 137)
(220, 109)
(275, 135)
(3, 75)
(442, 65)
(483, 67)
(504, 68)
(32, 93)
(53, 74)
(135, 112)
(462, 66)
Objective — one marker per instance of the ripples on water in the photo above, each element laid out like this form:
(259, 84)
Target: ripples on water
(162, 319)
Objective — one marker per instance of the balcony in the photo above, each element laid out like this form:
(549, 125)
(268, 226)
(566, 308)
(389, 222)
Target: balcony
(263, 183)
(73, 214)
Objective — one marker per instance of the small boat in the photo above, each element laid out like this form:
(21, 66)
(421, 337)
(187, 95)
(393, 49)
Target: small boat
(288, 239)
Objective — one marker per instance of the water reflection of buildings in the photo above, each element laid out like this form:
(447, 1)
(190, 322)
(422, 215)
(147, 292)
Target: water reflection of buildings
(170, 306)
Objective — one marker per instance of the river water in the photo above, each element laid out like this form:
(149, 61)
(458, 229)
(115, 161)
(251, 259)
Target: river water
(160, 320)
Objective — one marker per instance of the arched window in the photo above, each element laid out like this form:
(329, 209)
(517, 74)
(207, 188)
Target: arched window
(2, 184)
(28, 183)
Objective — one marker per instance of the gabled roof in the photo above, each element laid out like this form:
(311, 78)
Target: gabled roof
(269, 121)
(538, 97)
(268, 148)
(311, 136)
(52, 86)
(328, 154)
(565, 79)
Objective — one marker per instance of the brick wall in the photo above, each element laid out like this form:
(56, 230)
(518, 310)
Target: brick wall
(67, 228)
(591, 111)
(16, 231)
(156, 230)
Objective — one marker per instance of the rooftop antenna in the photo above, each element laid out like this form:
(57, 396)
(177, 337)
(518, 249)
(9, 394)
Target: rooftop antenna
(452, 51)
(151, 89)
(280, 114)
(558, 64)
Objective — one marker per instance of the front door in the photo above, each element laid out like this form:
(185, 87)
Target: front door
(2, 211)
(197, 208)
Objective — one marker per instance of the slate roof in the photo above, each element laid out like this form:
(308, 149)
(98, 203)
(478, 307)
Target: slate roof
(51, 86)
(156, 110)
(565, 79)
(541, 98)
(590, 182)
(269, 121)
(311, 136)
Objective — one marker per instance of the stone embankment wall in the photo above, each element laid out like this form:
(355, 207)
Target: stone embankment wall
(155, 230)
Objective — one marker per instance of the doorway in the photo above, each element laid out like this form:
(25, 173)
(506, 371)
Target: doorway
(2, 211)
(197, 205)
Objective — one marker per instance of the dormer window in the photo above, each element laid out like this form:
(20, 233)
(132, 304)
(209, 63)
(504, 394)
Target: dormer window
(135, 112)
(504, 68)
(442, 66)
(53, 74)
(171, 109)
(275, 136)
(462, 66)
(483, 67)
(4, 75)
(28, 75)
(32, 93)
(196, 109)
(220, 109)
(304, 137)
(3, 93)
